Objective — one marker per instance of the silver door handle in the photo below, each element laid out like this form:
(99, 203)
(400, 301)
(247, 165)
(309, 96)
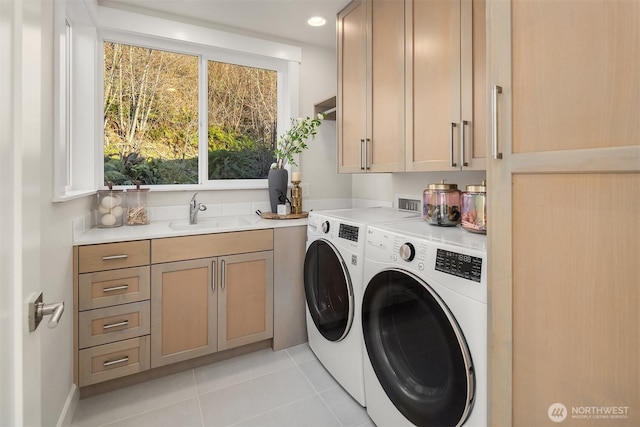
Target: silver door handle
(115, 325)
(367, 154)
(465, 123)
(363, 152)
(114, 362)
(224, 274)
(213, 276)
(110, 257)
(115, 288)
(451, 160)
(496, 90)
(38, 309)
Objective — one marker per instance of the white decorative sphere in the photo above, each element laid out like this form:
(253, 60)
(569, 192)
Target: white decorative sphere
(117, 211)
(108, 220)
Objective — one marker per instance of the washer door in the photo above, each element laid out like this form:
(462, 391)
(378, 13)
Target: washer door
(327, 286)
(417, 350)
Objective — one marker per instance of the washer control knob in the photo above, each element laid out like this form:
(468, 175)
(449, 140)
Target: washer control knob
(407, 252)
(325, 227)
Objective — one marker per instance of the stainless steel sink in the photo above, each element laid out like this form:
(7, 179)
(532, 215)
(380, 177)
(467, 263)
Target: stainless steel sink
(212, 223)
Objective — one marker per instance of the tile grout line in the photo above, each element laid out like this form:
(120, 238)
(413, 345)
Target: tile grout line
(195, 381)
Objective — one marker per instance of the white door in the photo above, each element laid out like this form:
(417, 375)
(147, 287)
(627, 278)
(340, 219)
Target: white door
(20, 143)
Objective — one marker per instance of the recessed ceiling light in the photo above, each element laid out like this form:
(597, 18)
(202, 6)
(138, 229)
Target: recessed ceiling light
(316, 21)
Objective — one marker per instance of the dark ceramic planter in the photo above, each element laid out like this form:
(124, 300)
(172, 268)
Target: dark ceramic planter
(278, 180)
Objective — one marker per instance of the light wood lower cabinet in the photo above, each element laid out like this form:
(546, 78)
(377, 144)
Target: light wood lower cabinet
(181, 298)
(183, 311)
(211, 304)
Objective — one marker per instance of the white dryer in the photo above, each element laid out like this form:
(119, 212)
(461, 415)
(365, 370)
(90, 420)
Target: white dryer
(333, 269)
(424, 320)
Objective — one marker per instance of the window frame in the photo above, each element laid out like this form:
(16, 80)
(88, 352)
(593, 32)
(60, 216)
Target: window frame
(204, 54)
(78, 153)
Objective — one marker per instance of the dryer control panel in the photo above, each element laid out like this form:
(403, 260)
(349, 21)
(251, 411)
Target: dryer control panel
(460, 265)
(349, 232)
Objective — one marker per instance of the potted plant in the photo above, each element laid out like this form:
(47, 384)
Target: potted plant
(292, 142)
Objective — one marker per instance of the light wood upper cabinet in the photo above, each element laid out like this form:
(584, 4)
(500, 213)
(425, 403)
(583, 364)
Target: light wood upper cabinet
(564, 190)
(370, 97)
(446, 85)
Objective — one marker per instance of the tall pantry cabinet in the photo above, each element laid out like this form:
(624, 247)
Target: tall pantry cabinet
(564, 239)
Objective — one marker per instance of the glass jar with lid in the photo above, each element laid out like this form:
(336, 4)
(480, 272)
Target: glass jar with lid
(110, 212)
(474, 208)
(442, 204)
(137, 211)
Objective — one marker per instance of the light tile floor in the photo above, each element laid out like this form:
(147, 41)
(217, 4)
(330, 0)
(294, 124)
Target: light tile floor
(266, 388)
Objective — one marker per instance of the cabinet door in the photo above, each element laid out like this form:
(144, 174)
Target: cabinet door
(245, 299)
(183, 311)
(564, 185)
(474, 87)
(352, 86)
(433, 89)
(384, 146)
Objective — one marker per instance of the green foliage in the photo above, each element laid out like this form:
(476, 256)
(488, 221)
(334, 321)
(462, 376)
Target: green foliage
(133, 167)
(294, 140)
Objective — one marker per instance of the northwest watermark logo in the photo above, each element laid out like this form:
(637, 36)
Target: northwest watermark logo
(557, 412)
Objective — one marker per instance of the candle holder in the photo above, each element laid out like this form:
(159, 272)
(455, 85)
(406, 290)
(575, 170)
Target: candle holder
(296, 198)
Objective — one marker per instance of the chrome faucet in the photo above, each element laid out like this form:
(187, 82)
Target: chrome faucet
(194, 208)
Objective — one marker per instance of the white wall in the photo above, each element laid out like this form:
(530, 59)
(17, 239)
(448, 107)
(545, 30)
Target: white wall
(56, 260)
(386, 187)
(318, 164)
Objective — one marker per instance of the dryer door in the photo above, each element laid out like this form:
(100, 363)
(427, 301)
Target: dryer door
(417, 350)
(328, 289)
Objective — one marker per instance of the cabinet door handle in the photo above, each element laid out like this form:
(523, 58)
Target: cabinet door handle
(114, 362)
(496, 90)
(214, 276)
(223, 270)
(465, 123)
(451, 160)
(115, 288)
(111, 257)
(362, 154)
(367, 153)
(115, 325)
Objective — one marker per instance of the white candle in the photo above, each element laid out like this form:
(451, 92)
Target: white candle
(295, 176)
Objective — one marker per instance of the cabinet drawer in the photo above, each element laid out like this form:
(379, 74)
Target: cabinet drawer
(110, 361)
(110, 256)
(106, 288)
(210, 245)
(110, 324)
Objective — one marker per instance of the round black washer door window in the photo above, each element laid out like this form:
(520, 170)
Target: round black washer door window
(417, 350)
(328, 289)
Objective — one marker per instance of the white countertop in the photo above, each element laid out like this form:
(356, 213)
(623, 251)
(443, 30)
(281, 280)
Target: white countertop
(176, 228)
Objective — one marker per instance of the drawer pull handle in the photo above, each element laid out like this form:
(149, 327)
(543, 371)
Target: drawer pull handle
(115, 362)
(110, 257)
(115, 325)
(115, 288)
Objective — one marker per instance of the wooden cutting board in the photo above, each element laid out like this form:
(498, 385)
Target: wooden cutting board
(271, 215)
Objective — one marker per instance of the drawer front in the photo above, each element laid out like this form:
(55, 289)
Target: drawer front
(107, 288)
(110, 361)
(110, 324)
(210, 245)
(110, 256)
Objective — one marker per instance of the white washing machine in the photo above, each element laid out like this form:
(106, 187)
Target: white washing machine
(333, 270)
(424, 320)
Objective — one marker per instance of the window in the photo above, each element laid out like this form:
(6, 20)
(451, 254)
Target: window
(153, 131)
(79, 113)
